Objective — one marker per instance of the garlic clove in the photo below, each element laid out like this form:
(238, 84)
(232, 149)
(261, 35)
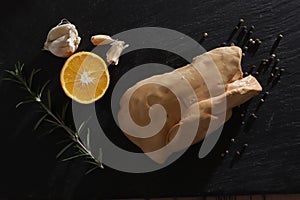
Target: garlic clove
(62, 40)
(101, 40)
(61, 47)
(58, 31)
(113, 54)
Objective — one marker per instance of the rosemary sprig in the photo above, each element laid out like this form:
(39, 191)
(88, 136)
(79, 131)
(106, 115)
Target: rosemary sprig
(55, 120)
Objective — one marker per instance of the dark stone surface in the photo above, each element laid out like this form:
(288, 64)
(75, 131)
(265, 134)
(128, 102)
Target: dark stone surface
(270, 163)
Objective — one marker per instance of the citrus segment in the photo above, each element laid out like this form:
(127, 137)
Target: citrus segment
(84, 77)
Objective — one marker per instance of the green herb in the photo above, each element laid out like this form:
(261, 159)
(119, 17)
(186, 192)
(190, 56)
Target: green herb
(56, 121)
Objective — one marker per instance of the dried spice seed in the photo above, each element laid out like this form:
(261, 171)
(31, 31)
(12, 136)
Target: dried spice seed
(251, 70)
(275, 65)
(247, 37)
(240, 22)
(278, 76)
(268, 62)
(223, 44)
(236, 28)
(261, 101)
(241, 35)
(273, 74)
(203, 37)
(256, 46)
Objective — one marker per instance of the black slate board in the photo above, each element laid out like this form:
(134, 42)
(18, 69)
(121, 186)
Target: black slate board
(270, 163)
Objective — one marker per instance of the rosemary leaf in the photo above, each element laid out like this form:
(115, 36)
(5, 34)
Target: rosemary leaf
(24, 102)
(19, 66)
(52, 122)
(100, 155)
(73, 157)
(89, 171)
(81, 150)
(88, 145)
(13, 73)
(64, 111)
(82, 125)
(49, 99)
(42, 89)
(40, 121)
(34, 72)
(63, 141)
(64, 149)
(12, 80)
(91, 162)
(51, 130)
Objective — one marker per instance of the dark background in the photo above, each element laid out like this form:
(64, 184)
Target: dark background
(270, 164)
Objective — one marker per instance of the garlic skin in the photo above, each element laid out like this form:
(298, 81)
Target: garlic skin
(101, 40)
(113, 54)
(62, 40)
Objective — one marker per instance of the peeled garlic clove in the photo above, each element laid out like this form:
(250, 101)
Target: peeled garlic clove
(62, 40)
(113, 54)
(101, 40)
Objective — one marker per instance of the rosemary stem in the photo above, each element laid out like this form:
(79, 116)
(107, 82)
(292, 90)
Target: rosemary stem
(73, 135)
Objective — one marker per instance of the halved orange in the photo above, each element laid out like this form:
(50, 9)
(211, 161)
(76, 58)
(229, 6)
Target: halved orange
(84, 77)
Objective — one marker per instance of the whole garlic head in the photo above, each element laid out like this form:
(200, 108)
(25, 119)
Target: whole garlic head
(63, 39)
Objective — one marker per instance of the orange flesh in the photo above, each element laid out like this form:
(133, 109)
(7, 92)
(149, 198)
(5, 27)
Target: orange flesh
(85, 77)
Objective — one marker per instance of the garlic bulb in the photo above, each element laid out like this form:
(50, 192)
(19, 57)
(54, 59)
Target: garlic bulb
(101, 40)
(113, 54)
(63, 39)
